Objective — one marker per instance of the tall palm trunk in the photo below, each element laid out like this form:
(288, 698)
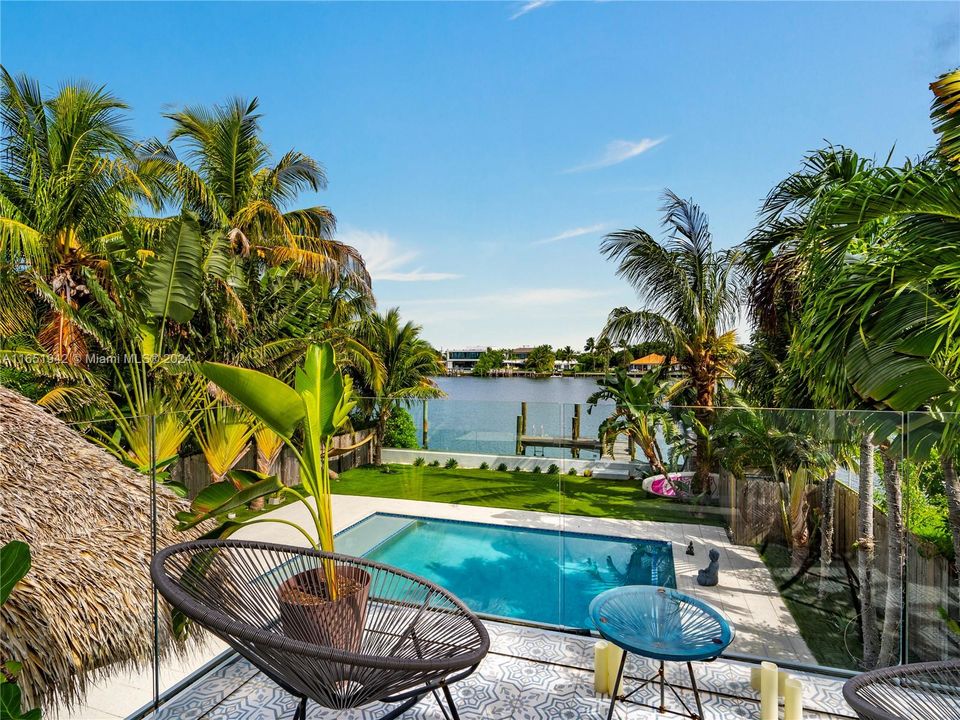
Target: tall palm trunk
(704, 415)
(381, 430)
(951, 485)
(827, 526)
(797, 513)
(647, 440)
(893, 603)
(866, 554)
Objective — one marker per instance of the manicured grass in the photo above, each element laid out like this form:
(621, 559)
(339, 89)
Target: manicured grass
(572, 495)
(823, 622)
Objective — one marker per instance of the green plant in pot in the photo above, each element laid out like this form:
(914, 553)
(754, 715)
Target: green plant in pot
(325, 604)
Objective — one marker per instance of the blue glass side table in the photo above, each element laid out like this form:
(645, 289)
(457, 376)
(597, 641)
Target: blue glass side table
(661, 624)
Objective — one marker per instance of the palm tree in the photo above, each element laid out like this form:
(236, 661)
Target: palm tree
(640, 413)
(881, 329)
(604, 348)
(243, 198)
(223, 434)
(690, 302)
(69, 184)
(788, 445)
(408, 360)
(776, 261)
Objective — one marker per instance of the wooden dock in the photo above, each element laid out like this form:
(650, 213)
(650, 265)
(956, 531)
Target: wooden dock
(574, 441)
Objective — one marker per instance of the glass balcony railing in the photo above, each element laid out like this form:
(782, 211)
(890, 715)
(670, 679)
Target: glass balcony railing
(823, 536)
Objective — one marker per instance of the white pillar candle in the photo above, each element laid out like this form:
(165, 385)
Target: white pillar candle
(614, 654)
(793, 700)
(600, 656)
(768, 691)
(782, 677)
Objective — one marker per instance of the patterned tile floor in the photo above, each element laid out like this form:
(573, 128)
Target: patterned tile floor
(530, 674)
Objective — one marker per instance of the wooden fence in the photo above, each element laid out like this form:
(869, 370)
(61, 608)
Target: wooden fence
(751, 506)
(192, 470)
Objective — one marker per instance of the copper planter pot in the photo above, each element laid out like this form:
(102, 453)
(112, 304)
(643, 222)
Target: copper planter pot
(307, 613)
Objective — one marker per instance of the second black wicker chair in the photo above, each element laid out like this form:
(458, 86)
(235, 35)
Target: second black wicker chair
(921, 691)
(397, 639)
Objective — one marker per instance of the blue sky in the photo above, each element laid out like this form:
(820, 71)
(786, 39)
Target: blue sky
(477, 152)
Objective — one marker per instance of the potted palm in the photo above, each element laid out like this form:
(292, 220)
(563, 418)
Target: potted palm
(326, 604)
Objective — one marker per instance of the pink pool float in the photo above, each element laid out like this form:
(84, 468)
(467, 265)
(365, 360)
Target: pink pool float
(675, 485)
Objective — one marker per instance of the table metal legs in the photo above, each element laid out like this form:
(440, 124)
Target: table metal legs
(660, 678)
(696, 690)
(616, 685)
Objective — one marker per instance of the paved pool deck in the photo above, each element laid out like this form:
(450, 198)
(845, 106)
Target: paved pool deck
(746, 594)
(529, 674)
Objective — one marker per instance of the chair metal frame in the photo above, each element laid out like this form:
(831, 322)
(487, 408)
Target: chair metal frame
(437, 640)
(916, 691)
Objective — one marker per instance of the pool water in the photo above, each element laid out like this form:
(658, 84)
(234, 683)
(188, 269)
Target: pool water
(543, 576)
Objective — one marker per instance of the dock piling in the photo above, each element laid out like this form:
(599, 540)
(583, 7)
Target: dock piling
(425, 429)
(575, 432)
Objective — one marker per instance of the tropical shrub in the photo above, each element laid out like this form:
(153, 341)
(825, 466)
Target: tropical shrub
(419, 462)
(502, 467)
(554, 469)
(400, 431)
(488, 361)
(537, 469)
(405, 363)
(484, 466)
(572, 472)
(451, 464)
(517, 469)
(540, 360)
(434, 463)
(15, 561)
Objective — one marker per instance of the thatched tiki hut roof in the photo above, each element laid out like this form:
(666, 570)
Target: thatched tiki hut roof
(87, 602)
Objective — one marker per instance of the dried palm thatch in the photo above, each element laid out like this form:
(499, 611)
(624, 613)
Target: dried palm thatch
(85, 608)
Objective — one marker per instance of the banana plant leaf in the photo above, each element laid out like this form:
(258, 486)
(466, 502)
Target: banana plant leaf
(219, 499)
(14, 564)
(10, 699)
(174, 278)
(271, 401)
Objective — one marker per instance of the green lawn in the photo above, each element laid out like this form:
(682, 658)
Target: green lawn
(823, 622)
(573, 495)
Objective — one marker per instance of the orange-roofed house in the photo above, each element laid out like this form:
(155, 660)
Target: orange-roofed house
(651, 361)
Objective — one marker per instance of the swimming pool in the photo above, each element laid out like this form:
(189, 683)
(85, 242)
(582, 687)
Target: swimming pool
(543, 576)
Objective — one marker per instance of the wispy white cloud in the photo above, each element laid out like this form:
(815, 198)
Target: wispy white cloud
(511, 316)
(572, 233)
(529, 7)
(509, 299)
(618, 151)
(386, 261)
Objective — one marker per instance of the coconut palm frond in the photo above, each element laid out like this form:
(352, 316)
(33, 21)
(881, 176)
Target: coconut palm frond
(945, 113)
(73, 402)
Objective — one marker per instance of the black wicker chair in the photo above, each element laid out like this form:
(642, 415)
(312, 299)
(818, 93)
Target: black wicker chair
(922, 691)
(412, 639)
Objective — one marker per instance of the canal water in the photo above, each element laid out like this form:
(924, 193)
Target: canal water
(479, 415)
